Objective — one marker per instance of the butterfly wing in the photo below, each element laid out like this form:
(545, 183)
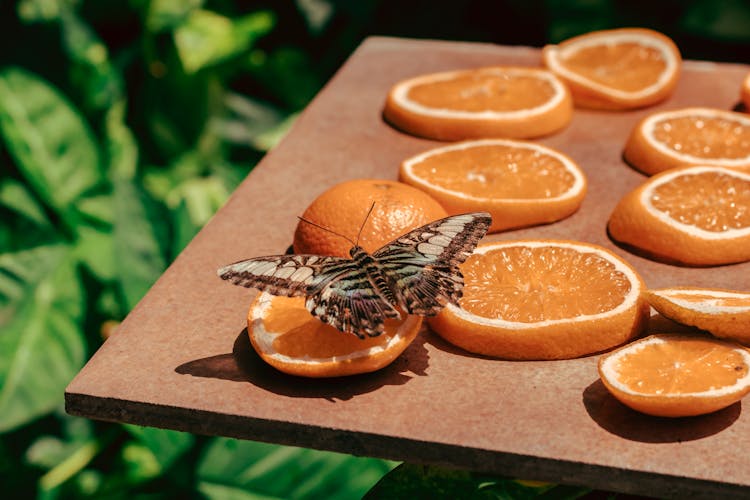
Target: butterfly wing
(421, 267)
(349, 303)
(288, 275)
(337, 290)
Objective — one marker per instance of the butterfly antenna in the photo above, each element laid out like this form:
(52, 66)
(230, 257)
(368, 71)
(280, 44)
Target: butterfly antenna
(326, 229)
(356, 243)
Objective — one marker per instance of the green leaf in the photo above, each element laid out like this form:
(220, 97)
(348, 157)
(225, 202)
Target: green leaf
(166, 445)
(245, 469)
(196, 200)
(421, 481)
(288, 73)
(16, 196)
(98, 208)
(41, 347)
(122, 149)
(32, 11)
(207, 38)
(95, 249)
(250, 122)
(167, 14)
(92, 70)
(139, 233)
(52, 145)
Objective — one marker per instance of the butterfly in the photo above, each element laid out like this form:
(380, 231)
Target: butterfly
(417, 272)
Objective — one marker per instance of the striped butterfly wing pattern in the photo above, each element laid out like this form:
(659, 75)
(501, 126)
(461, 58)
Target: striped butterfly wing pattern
(422, 266)
(417, 272)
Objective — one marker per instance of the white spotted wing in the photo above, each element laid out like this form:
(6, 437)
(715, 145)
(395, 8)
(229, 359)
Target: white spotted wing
(417, 272)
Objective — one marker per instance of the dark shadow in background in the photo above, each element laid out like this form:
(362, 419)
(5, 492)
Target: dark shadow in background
(244, 365)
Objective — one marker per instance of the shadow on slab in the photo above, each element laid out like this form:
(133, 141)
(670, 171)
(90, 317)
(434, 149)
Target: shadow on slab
(244, 365)
(618, 419)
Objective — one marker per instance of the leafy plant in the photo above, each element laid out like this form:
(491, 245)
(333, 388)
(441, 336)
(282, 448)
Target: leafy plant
(139, 117)
(146, 139)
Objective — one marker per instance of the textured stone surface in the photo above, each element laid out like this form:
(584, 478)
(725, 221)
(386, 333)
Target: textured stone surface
(181, 359)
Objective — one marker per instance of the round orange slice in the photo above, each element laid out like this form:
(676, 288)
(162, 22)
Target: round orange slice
(689, 136)
(723, 313)
(519, 183)
(543, 299)
(616, 69)
(513, 102)
(745, 93)
(293, 341)
(698, 216)
(673, 375)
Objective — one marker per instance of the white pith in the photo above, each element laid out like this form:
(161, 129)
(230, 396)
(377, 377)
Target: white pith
(646, 195)
(707, 306)
(264, 339)
(628, 301)
(574, 190)
(648, 125)
(401, 96)
(609, 369)
(558, 53)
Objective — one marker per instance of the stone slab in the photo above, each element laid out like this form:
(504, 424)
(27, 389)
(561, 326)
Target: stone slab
(181, 360)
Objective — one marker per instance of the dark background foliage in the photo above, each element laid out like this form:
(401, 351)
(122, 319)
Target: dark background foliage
(124, 125)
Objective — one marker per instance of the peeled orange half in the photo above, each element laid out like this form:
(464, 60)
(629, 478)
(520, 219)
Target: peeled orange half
(519, 183)
(671, 375)
(514, 102)
(616, 69)
(698, 216)
(745, 93)
(690, 136)
(723, 313)
(286, 336)
(544, 299)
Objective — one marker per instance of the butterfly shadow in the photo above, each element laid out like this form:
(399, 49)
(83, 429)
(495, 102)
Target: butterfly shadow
(618, 419)
(244, 365)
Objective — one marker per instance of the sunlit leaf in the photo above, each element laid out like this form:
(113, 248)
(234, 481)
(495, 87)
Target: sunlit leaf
(41, 347)
(94, 247)
(15, 196)
(122, 149)
(196, 201)
(52, 145)
(166, 14)
(236, 469)
(249, 122)
(139, 236)
(165, 445)
(317, 13)
(98, 208)
(31, 11)
(207, 38)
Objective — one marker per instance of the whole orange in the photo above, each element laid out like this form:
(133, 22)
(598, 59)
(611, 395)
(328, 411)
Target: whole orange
(342, 209)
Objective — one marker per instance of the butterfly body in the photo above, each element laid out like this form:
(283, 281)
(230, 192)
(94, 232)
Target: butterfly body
(416, 273)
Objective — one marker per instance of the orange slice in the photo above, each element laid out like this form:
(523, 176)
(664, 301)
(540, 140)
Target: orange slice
(672, 375)
(543, 299)
(291, 340)
(689, 136)
(518, 183)
(513, 102)
(698, 216)
(724, 313)
(745, 93)
(616, 69)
